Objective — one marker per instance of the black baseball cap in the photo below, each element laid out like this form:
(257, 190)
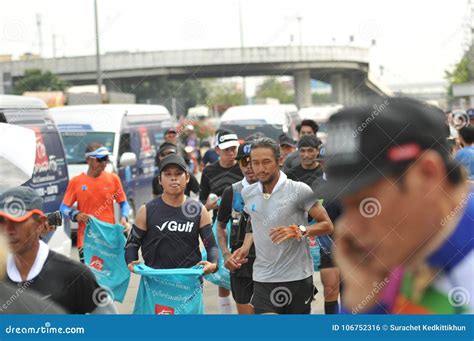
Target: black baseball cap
(370, 142)
(244, 150)
(309, 141)
(168, 146)
(284, 139)
(173, 159)
(20, 203)
(171, 130)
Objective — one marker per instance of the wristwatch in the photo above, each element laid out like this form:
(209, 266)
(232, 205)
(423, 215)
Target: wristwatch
(303, 230)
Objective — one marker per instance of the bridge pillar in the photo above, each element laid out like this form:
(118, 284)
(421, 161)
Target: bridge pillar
(348, 90)
(302, 81)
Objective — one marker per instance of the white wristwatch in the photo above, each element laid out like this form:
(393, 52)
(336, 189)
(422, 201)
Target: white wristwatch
(303, 230)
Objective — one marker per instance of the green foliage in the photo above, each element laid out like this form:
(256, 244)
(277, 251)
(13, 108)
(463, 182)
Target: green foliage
(38, 80)
(272, 88)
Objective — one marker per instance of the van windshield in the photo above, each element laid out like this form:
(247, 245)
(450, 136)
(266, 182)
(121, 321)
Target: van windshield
(249, 128)
(75, 144)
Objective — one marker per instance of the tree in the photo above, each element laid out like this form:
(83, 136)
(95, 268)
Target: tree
(224, 95)
(272, 88)
(38, 80)
(460, 74)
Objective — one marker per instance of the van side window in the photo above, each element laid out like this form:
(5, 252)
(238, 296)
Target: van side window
(3, 118)
(124, 145)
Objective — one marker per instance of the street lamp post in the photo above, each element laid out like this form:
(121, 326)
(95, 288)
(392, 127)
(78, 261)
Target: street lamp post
(97, 51)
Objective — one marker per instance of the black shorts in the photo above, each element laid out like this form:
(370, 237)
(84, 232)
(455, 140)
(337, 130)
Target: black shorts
(284, 298)
(242, 288)
(325, 260)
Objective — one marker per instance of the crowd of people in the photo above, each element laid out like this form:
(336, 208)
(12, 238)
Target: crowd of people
(390, 203)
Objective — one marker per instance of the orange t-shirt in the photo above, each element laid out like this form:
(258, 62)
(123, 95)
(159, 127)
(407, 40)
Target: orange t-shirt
(94, 196)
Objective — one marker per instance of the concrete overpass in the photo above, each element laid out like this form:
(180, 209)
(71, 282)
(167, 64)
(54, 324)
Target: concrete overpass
(345, 68)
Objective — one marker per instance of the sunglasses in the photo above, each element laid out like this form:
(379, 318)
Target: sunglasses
(245, 161)
(102, 159)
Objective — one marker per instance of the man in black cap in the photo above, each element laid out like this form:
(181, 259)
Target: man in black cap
(231, 208)
(167, 229)
(306, 127)
(166, 149)
(287, 146)
(171, 136)
(310, 168)
(33, 266)
(408, 211)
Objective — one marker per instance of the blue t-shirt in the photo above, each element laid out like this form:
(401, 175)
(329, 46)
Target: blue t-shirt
(466, 157)
(210, 157)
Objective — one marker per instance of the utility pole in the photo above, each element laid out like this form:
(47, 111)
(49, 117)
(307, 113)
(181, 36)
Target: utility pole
(241, 29)
(40, 35)
(97, 50)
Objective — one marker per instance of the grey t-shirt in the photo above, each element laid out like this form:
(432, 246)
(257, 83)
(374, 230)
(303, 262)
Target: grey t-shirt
(291, 161)
(289, 204)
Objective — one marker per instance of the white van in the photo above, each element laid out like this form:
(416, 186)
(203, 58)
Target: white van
(269, 119)
(320, 114)
(50, 174)
(131, 132)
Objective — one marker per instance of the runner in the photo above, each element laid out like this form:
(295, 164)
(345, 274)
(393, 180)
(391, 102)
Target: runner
(36, 268)
(215, 178)
(164, 150)
(167, 229)
(287, 146)
(94, 192)
(394, 254)
(231, 208)
(466, 154)
(279, 208)
(307, 127)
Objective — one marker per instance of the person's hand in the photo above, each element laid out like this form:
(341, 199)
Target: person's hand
(125, 224)
(360, 271)
(132, 264)
(282, 233)
(235, 260)
(82, 218)
(209, 267)
(211, 204)
(45, 228)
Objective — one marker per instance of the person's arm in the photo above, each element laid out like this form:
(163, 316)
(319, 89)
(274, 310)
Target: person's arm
(135, 238)
(121, 199)
(239, 256)
(306, 202)
(207, 237)
(204, 189)
(193, 184)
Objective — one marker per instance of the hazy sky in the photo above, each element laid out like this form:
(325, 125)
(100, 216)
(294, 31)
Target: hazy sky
(416, 40)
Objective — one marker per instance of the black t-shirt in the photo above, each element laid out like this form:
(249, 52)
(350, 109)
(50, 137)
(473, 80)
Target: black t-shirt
(192, 186)
(215, 179)
(68, 283)
(172, 237)
(308, 176)
(12, 301)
